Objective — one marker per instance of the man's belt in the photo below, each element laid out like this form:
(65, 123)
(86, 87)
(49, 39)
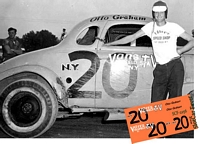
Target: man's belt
(175, 58)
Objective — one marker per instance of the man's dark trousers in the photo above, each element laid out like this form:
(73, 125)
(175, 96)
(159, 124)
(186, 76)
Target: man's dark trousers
(168, 78)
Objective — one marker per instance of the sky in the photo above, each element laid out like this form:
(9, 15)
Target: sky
(54, 15)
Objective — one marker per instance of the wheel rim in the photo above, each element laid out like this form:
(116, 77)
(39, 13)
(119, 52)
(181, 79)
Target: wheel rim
(24, 109)
(26, 101)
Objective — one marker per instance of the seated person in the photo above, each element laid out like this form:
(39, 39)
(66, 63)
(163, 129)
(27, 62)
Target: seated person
(11, 46)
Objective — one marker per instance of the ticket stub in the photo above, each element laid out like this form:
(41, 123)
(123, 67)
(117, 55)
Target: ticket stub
(162, 118)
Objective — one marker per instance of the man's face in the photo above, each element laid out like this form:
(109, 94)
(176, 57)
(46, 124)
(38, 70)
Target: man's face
(12, 34)
(159, 16)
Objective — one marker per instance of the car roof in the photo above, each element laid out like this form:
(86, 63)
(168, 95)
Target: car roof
(102, 19)
(96, 20)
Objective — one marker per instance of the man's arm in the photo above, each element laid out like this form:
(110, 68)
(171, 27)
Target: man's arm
(7, 47)
(189, 45)
(8, 50)
(18, 49)
(127, 39)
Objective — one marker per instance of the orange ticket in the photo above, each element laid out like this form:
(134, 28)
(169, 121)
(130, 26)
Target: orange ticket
(161, 118)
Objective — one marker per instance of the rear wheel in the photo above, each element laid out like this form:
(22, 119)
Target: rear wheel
(28, 108)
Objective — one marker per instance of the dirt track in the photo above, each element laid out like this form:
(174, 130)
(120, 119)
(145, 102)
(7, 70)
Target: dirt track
(89, 126)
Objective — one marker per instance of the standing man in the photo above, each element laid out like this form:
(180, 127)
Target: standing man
(169, 71)
(11, 46)
(64, 34)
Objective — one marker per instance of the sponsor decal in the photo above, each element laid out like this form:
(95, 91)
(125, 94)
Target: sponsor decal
(134, 60)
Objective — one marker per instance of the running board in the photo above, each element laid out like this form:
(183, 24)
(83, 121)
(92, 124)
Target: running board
(86, 110)
(65, 114)
(110, 114)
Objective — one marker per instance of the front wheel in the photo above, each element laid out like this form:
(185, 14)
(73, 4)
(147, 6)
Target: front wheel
(28, 108)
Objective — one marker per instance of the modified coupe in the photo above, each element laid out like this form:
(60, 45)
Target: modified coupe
(81, 75)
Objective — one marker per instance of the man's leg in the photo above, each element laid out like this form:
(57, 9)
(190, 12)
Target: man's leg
(175, 89)
(159, 85)
(176, 78)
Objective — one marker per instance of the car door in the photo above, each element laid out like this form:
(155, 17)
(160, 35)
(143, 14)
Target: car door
(125, 74)
(78, 66)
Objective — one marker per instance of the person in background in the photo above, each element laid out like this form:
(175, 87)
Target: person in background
(11, 46)
(193, 33)
(64, 34)
(169, 71)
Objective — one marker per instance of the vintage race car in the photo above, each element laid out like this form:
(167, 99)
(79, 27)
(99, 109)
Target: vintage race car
(81, 75)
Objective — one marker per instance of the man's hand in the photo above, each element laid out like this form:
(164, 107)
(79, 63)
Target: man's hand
(107, 44)
(179, 50)
(13, 51)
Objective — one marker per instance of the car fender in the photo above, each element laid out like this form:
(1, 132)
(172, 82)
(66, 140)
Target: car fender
(48, 75)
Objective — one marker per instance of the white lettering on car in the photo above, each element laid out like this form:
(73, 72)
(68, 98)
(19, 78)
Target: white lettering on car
(134, 60)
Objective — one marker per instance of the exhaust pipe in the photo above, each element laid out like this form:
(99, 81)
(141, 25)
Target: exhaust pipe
(111, 116)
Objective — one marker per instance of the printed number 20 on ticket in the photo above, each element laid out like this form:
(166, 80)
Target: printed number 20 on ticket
(161, 118)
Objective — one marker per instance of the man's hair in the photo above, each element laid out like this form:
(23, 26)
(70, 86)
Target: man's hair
(11, 28)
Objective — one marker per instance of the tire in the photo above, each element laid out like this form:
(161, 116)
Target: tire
(191, 93)
(28, 108)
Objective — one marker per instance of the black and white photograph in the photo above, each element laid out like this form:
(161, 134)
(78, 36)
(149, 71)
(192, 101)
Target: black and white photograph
(69, 68)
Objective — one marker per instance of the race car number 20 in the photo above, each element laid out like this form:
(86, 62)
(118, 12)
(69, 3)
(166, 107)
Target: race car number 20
(161, 118)
(74, 89)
